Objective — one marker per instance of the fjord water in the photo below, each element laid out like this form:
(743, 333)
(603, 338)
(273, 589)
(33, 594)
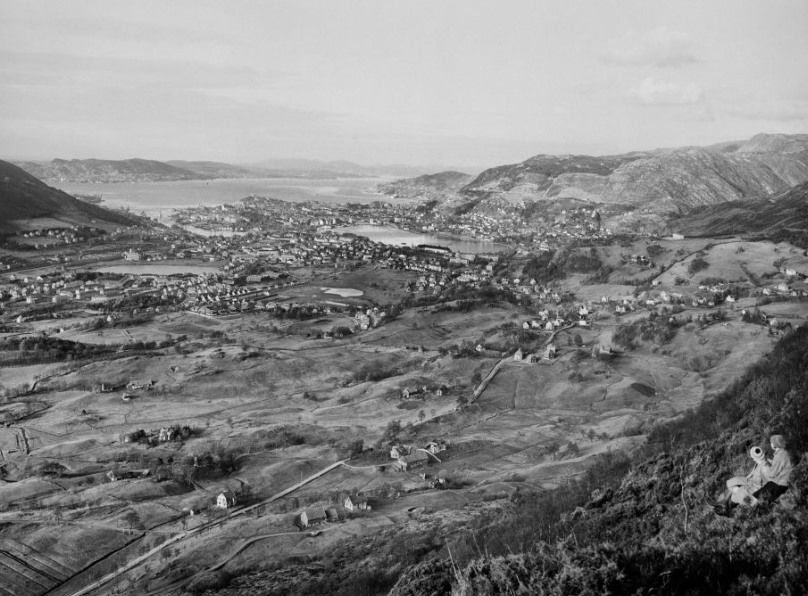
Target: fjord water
(158, 199)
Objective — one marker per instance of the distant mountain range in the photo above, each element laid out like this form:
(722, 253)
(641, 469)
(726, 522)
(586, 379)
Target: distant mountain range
(60, 171)
(25, 202)
(215, 169)
(342, 167)
(664, 181)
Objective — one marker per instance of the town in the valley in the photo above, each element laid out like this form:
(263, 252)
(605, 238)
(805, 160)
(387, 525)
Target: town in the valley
(263, 369)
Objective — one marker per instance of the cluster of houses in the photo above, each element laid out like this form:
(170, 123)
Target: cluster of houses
(319, 514)
(54, 288)
(48, 237)
(506, 223)
(422, 391)
(310, 516)
(371, 317)
(550, 353)
(407, 457)
(640, 260)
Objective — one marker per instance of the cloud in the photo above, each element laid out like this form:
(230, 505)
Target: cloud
(659, 47)
(653, 92)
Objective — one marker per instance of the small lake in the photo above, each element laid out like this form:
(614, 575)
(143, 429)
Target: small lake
(398, 237)
(343, 292)
(156, 269)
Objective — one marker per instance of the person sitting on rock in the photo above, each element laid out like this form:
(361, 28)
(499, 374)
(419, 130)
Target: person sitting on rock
(741, 489)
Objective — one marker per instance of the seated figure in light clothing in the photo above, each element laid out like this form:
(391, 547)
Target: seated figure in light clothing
(766, 482)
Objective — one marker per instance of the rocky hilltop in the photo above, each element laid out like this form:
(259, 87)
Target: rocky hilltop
(664, 181)
(104, 171)
(426, 185)
(23, 199)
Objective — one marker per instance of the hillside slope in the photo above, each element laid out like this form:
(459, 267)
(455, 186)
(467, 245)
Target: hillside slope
(105, 170)
(426, 185)
(24, 198)
(656, 532)
(786, 211)
(665, 181)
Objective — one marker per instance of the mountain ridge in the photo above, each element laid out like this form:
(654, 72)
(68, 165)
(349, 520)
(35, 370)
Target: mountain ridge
(669, 181)
(106, 170)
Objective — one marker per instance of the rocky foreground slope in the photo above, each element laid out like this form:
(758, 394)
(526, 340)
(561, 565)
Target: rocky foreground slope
(663, 181)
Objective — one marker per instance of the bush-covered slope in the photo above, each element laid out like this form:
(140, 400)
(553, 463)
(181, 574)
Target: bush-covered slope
(656, 532)
(785, 213)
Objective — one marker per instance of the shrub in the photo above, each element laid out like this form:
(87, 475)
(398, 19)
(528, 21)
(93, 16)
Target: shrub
(654, 250)
(697, 264)
(374, 372)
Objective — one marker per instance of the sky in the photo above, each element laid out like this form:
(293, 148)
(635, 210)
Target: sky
(466, 83)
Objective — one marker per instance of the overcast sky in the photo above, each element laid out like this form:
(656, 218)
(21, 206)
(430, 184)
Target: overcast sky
(421, 82)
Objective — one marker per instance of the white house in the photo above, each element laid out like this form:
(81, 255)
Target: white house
(226, 499)
(358, 505)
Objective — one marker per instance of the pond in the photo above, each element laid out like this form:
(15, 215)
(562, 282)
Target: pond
(343, 292)
(396, 237)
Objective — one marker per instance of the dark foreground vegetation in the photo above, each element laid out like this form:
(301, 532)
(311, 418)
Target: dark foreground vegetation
(650, 529)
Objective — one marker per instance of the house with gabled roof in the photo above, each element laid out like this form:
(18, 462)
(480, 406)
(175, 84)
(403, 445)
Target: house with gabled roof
(419, 457)
(311, 516)
(226, 499)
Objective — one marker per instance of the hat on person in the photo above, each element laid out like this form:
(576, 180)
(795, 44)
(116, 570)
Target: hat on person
(778, 441)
